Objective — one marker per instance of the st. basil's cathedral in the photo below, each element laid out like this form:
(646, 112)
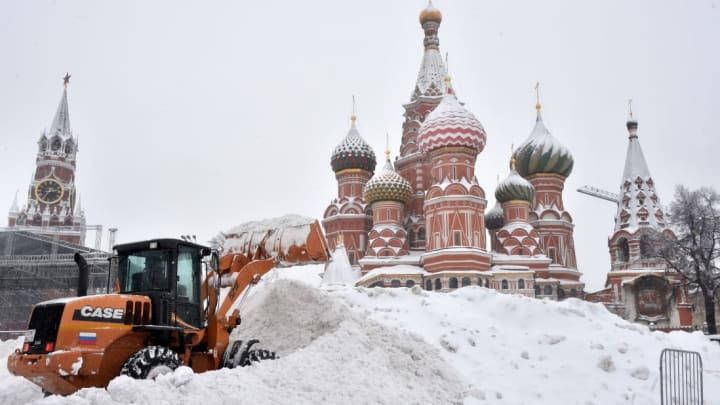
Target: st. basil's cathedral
(424, 218)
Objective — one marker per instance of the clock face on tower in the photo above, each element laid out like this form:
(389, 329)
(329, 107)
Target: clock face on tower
(49, 191)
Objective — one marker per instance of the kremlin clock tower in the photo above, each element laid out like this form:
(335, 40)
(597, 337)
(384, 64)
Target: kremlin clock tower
(52, 207)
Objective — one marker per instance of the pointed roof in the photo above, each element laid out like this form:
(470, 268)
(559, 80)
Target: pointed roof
(61, 122)
(639, 205)
(432, 68)
(15, 207)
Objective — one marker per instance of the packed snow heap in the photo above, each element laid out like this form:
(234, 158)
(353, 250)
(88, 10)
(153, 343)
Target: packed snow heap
(390, 346)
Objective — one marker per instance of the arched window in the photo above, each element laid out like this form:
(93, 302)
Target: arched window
(547, 290)
(55, 143)
(537, 290)
(68, 147)
(487, 282)
(409, 284)
(465, 281)
(623, 250)
(43, 145)
(438, 284)
(504, 284)
(453, 282)
(411, 236)
(395, 283)
(521, 284)
(561, 293)
(480, 281)
(377, 284)
(421, 234)
(428, 285)
(573, 292)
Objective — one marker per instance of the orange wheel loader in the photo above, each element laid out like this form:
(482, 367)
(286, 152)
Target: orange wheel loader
(167, 310)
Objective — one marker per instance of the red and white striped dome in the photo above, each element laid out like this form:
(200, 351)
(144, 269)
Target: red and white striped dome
(450, 124)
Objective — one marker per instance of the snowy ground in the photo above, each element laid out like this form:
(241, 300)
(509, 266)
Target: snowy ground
(407, 346)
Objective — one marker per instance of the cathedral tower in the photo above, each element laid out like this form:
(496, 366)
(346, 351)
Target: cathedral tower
(427, 94)
(348, 217)
(387, 193)
(455, 203)
(546, 163)
(52, 208)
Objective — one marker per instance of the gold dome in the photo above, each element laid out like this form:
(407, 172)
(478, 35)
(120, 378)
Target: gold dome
(430, 14)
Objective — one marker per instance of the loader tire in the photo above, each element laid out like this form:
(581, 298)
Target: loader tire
(239, 355)
(151, 362)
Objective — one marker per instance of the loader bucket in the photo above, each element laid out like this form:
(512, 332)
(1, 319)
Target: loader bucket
(290, 240)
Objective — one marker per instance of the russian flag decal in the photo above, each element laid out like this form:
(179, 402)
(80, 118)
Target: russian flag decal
(88, 338)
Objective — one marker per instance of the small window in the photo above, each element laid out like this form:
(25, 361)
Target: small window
(421, 234)
(457, 238)
(623, 250)
(465, 281)
(573, 292)
(377, 284)
(552, 254)
(561, 293)
(409, 284)
(453, 282)
(351, 258)
(389, 214)
(428, 285)
(521, 284)
(395, 283)
(504, 284)
(487, 282)
(411, 236)
(438, 284)
(537, 290)
(548, 290)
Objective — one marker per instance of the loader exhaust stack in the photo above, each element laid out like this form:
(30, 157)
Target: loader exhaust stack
(82, 274)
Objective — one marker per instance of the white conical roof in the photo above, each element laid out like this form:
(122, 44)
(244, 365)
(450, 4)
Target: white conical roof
(61, 123)
(339, 271)
(639, 205)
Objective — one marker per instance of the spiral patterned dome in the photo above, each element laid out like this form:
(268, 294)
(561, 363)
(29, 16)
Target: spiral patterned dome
(542, 153)
(450, 124)
(387, 185)
(353, 153)
(430, 13)
(514, 187)
(494, 219)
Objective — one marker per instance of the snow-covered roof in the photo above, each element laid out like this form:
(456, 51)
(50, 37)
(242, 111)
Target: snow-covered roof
(451, 124)
(353, 152)
(543, 153)
(400, 269)
(639, 205)
(61, 123)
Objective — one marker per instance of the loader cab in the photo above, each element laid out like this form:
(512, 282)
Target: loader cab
(169, 272)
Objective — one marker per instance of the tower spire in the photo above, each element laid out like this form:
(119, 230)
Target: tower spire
(61, 123)
(538, 106)
(432, 68)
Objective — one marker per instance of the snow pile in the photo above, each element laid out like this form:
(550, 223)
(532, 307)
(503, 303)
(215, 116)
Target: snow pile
(339, 270)
(389, 346)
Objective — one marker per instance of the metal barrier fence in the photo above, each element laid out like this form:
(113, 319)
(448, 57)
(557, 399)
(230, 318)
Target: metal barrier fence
(681, 378)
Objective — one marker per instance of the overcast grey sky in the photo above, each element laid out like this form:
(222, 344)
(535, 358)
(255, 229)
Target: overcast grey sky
(193, 117)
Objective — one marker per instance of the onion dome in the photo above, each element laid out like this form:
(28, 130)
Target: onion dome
(353, 153)
(494, 219)
(514, 187)
(542, 152)
(430, 13)
(387, 185)
(450, 124)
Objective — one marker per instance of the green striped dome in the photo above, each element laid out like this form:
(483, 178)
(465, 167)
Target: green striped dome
(514, 187)
(542, 153)
(387, 185)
